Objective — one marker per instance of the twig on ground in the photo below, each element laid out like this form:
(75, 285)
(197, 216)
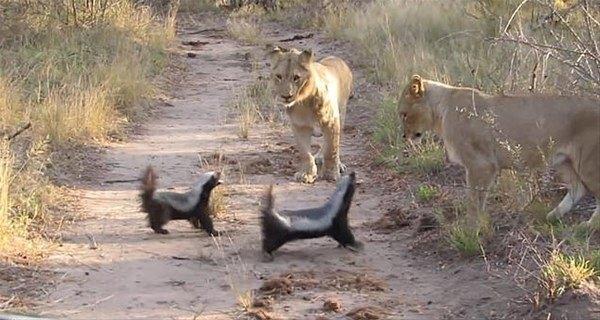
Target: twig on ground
(18, 132)
(298, 37)
(121, 180)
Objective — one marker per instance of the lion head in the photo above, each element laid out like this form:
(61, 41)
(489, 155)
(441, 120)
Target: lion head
(416, 115)
(290, 73)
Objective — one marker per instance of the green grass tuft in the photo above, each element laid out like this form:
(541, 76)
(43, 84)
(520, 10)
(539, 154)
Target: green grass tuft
(426, 193)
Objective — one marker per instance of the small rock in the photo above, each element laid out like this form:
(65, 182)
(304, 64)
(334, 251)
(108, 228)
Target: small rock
(191, 55)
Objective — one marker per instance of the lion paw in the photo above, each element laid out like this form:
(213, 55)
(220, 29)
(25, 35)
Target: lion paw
(593, 224)
(553, 217)
(305, 177)
(331, 174)
(319, 163)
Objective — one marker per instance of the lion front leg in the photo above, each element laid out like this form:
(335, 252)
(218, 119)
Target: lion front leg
(331, 152)
(307, 172)
(479, 179)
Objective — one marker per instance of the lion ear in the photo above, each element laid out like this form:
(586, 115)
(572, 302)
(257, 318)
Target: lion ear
(307, 57)
(417, 89)
(274, 51)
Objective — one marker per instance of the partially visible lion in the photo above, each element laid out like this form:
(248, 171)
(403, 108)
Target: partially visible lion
(486, 133)
(315, 95)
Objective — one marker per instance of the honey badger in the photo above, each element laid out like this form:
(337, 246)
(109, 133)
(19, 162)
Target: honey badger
(331, 219)
(164, 206)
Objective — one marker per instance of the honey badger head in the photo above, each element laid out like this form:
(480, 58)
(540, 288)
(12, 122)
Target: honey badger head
(199, 192)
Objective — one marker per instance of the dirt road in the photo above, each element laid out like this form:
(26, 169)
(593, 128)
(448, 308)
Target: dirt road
(114, 267)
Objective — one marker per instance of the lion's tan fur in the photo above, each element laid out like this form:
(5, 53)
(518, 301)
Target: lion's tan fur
(315, 94)
(486, 133)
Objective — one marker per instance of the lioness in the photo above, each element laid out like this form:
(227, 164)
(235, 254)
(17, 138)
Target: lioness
(486, 133)
(315, 94)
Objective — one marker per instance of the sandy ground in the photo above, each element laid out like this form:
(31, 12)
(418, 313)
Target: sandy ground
(113, 266)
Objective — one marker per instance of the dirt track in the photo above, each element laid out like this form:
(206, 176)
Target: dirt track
(134, 273)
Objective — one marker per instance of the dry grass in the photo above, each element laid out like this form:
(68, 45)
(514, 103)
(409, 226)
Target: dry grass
(192, 6)
(77, 71)
(562, 272)
(218, 202)
(246, 30)
(253, 103)
(237, 273)
(247, 113)
(218, 205)
(22, 209)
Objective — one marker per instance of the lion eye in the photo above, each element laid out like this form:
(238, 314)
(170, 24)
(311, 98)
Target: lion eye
(278, 76)
(296, 78)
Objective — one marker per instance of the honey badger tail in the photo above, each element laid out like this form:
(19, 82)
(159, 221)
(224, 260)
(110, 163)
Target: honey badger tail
(273, 229)
(148, 185)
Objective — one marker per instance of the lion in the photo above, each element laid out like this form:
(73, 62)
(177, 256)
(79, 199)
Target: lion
(315, 95)
(486, 133)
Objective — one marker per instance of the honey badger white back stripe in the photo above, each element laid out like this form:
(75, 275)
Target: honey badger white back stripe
(325, 219)
(186, 201)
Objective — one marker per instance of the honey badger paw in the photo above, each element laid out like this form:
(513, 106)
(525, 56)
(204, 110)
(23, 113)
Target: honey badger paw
(161, 231)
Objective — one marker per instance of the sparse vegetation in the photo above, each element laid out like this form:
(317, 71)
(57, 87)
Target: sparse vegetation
(426, 193)
(465, 239)
(252, 103)
(563, 272)
(237, 273)
(196, 5)
(77, 71)
(247, 113)
(244, 30)
(389, 134)
(425, 158)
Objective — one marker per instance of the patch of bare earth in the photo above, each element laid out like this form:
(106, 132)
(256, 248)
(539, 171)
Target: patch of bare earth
(112, 266)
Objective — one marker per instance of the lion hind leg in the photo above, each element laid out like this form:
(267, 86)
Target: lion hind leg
(594, 222)
(576, 191)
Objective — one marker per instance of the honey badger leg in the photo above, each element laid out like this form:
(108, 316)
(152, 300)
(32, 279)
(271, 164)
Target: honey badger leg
(207, 224)
(343, 235)
(157, 220)
(194, 222)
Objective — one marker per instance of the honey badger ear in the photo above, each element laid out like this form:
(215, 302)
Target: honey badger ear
(417, 88)
(306, 57)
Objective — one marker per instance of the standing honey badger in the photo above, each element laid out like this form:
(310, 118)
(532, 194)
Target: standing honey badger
(165, 206)
(315, 94)
(330, 219)
(486, 133)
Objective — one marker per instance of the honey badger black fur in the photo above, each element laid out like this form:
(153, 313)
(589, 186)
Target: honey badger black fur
(331, 220)
(164, 206)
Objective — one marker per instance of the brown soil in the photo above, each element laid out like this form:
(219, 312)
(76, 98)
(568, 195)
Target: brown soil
(112, 266)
